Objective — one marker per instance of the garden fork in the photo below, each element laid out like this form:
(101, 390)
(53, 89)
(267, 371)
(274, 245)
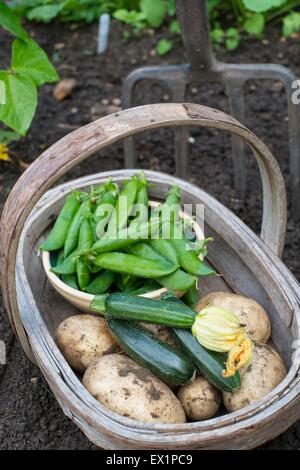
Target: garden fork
(203, 68)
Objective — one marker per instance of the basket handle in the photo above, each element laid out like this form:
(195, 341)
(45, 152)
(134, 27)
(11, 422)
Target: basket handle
(78, 145)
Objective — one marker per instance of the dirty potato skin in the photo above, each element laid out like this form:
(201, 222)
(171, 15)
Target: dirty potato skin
(263, 374)
(84, 338)
(130, 390)
(250, 313)
(200, 399)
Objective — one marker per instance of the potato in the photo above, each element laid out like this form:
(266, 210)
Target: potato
(263, 374)
(84, 338)
(132, 391)
(200, 399)
(250, 313)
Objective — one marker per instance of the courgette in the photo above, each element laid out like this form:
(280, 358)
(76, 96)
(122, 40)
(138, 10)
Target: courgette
(209, 363)
(167, 363)
(130, 307)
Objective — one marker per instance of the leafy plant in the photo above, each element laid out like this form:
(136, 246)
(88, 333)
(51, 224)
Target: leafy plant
(251, 17)
(164, 46)
(291, 23)
(241, 16)
(29, 69)
(70, 10)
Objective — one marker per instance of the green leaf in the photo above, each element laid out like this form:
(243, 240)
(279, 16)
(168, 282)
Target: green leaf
(21, 101)
(45, 13)
(217, 35)
(29, 59)
(171, 9)
(260, 6)
(255, 24)
(131, 17)
(11, 22)
(6, 137)
(231, 43)
(163, 46)
(154, 11)
(174, 27)
(291, 24)
(212, 5)
(232, 39)
(232, 33)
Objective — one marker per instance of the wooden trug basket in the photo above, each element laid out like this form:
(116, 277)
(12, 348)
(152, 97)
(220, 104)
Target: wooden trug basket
(250, 265)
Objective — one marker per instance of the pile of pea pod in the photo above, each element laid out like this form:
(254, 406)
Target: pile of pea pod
(97, 247)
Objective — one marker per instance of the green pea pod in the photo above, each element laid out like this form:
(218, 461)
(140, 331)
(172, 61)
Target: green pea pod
(188, 258)
(104, 212)
(133, 284)
(144, 250)
(191, 297)
(172, 202)
(142, 200)
(177, 281)
(101, 283)
(126, 199)
(142, 195)
(165, 248)
(72, 237)
(58, 234)
(94, 269)
(70, 280)
(53, 258)
(134, 265)
(60, 257)
(68, 266)
(126, 237)
(128, 283)
(149, 286)
(119, 282)
(173, 196)
(86, 240)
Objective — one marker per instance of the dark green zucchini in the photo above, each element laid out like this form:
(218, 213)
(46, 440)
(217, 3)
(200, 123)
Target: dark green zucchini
(130, 307)
(167, 363)
(209, 363)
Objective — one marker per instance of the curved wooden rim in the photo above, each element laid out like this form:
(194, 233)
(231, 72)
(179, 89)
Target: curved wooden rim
(78, 145)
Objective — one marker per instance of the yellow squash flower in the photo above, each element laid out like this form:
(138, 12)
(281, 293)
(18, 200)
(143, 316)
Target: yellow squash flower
(220, 330)
(4, 155)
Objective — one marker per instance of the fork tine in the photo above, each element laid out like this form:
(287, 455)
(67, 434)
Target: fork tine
(237, 109)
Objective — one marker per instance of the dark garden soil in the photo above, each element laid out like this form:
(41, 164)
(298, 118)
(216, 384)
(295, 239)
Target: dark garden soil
(30, 417)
